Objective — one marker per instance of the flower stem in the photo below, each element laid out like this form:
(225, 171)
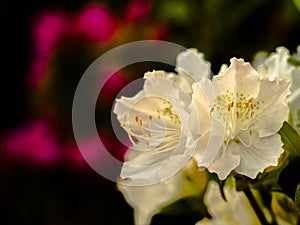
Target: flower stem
(255, 206)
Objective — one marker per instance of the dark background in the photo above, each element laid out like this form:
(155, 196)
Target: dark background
(59, 194)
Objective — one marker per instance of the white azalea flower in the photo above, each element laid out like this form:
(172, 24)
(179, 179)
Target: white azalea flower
(236, 210)
(148, 200)
(245, 113)
(192, 67)
(157, 122)
(276, 66)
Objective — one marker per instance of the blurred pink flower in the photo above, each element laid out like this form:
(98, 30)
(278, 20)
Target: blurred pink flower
(37, 71)
(48, 31)
(113, 86)
(95, 23)
(74, 158)
(34, 143)
(137, 10)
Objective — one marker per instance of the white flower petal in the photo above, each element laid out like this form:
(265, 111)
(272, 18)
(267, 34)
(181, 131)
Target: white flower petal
(240, 77)
(163, 85)
(200, 147)
(214, 144)
(223, 68)
(124, 105)
(172, 164)
(144, 167)
(208, 144)
(297, 55)
(142, 117)
(157, 122)
(157, 84)
(185, 82)
(193, 64)
(236, 210)
(234, 106)
(272, 101)
(226, 162)
(262, 153)
(294, 98)
(147, 200)
(200, 106)
(191, 67)
(276, 65)
(213, 198)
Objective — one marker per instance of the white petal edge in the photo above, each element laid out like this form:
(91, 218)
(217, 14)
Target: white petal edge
(273, 98)
(240, 77)
(192, 63)
(226, 162)
(263, 153)
(276, 65)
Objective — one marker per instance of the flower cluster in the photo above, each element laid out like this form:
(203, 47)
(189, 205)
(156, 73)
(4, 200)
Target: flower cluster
(221, 126)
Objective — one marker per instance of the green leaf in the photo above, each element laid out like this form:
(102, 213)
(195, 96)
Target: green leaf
(186, 206)
(284, 209)
(290, 139)
(294, 62)
(297, 199)
(242, 182)
(297, 3)
(298, 116)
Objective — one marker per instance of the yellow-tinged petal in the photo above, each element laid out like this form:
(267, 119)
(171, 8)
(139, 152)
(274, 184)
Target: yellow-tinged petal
(236, 210)
(148, 200)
